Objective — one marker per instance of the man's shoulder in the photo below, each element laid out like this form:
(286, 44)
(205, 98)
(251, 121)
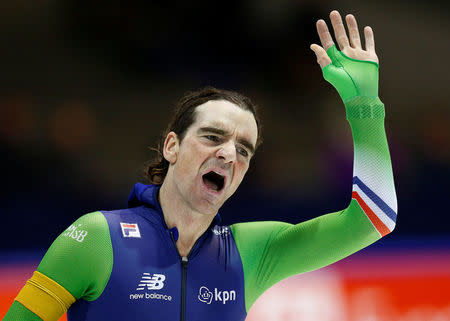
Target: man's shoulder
(97, 221)
(142, 211)
(132, 222)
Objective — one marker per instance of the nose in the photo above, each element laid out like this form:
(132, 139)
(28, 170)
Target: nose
(227, 152)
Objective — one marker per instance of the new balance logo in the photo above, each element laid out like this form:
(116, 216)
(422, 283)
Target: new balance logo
(149, 282)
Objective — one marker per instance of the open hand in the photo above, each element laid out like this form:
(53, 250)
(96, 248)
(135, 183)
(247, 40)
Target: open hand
(351, 48)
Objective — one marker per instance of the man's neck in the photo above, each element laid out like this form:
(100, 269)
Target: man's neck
(190, 224)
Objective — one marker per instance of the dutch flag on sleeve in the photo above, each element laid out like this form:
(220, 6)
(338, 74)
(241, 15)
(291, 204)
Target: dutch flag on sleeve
(379, 213)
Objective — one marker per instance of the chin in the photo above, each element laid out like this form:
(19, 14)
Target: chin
(210, 208)
(209, 205)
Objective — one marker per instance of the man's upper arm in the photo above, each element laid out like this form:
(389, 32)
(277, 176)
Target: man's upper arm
(80, 259)
(273, 251)
(77, 265)
(17, 312)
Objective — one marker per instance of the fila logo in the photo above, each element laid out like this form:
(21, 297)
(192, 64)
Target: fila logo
(207, 296)
(130, 230)
(149, 282)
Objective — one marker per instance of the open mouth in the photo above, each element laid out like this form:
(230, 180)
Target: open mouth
(214, 181)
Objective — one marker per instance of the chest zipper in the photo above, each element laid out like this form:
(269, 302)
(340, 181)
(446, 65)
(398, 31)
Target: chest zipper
(184, 265)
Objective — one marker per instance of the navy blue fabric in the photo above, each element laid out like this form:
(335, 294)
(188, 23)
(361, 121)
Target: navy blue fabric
(214, 274)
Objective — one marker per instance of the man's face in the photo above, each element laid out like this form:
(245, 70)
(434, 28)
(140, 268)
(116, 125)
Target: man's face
(214, 155)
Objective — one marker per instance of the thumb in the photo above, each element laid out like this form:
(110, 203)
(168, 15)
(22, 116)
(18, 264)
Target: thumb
(321, 55)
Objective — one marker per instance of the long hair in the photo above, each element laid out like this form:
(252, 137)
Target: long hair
(184, 117)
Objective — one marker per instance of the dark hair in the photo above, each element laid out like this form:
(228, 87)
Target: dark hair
(184, 117)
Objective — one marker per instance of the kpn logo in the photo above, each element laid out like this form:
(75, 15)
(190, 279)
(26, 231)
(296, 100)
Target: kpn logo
(206, 296)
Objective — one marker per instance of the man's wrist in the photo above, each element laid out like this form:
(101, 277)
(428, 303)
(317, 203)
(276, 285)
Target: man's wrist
(351, 77)
(360, 107)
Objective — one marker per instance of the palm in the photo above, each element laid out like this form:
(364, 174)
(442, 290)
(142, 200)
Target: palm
(358, 53)
(349, 45)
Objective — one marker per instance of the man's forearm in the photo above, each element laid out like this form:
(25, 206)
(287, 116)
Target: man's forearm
(373, 183)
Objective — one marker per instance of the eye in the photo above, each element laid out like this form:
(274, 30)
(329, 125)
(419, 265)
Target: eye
(212, 138)
(242, 151)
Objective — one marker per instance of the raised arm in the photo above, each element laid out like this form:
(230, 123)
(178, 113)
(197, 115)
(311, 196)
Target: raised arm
(354, 73)
(272, 251)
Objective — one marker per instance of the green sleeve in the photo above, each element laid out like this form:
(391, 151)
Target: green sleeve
(81, 258)
(17, 312)
(273, 251)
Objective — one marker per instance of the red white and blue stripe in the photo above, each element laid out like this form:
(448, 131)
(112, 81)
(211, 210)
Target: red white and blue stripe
(382, 216)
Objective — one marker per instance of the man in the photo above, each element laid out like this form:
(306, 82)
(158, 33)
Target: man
(166, 257)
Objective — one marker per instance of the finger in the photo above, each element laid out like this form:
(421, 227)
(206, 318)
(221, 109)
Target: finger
(353, 31)
(324, 34)
(321, 55)
(339, 29)
(370, 41)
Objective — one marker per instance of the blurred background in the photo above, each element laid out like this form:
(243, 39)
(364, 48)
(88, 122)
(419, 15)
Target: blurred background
(88, 86)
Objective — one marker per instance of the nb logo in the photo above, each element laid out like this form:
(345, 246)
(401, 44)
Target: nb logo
(149, 282)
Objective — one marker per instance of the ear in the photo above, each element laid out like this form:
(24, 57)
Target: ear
(171, 146)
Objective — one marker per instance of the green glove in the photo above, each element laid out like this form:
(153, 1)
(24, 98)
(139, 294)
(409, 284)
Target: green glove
(351, 77)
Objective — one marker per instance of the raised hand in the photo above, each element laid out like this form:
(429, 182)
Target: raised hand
(353, 71)
(350, 47)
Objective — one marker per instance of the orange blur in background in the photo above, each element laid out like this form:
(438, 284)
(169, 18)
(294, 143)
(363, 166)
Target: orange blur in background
(384, 286)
